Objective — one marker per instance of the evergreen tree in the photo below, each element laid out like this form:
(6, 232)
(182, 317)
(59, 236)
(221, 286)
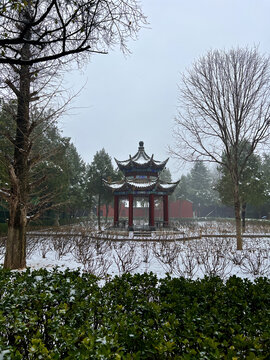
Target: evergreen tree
(166, 175)
(65, 177)
(76, 171)
(252, 186)
(100, 168)
(200, 186)
(58, 176)
(197, 186)
(182, 190)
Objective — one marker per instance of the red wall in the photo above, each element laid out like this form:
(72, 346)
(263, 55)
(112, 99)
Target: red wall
(177, 209)
(181, 209)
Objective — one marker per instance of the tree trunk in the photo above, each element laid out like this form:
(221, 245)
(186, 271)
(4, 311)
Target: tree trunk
(99, 227)
(15, 257)
(237, 212)
(244, 205)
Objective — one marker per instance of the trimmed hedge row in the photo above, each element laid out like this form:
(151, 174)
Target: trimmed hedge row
(68, 315)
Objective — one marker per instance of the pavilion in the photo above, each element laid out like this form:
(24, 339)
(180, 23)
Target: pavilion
(141, 179)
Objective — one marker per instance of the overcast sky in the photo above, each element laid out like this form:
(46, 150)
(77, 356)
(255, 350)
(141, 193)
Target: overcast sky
(133, 98)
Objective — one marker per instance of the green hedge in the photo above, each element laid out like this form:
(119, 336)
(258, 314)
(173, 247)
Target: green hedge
(65, 315)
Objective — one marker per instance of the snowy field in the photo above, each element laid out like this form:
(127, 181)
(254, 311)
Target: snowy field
(210, 254)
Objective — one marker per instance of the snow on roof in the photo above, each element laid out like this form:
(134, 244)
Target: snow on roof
(168, 186)
(115, 186)
(141, 184)
(148, 184)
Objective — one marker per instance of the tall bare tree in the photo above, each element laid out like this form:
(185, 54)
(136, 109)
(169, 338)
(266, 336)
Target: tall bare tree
(50, 33)
(224, 102)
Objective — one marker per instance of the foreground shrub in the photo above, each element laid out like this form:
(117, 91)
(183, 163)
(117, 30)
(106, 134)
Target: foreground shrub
(68, 315)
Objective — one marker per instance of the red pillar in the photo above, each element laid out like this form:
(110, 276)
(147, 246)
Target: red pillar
(116, 210)
(151, 210)
(165, 211)
(130, 211)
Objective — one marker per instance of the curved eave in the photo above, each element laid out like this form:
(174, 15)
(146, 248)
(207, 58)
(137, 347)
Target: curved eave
(167, 187)
(116, 186)
(150, 187)
(160, 164)
(122, 163)
(151, 163)
(130, 186)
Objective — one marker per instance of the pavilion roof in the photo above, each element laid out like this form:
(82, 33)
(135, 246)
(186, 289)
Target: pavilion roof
(141, 161)
(136, 186)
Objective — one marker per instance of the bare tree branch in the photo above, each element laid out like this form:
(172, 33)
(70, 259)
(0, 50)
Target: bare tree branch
(224, 103)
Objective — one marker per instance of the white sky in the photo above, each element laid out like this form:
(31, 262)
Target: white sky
(133, 98)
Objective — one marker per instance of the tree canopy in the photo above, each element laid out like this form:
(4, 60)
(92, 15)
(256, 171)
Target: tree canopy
(54, 29)
(101, 169)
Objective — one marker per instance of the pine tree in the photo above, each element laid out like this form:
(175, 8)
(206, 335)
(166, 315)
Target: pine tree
(100, 169)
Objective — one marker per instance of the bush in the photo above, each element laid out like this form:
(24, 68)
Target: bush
(68, 315)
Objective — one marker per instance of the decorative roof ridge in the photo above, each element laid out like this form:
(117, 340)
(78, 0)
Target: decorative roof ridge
(141, 160)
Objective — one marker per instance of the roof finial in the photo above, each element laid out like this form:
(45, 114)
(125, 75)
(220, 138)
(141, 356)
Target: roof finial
(141, 145)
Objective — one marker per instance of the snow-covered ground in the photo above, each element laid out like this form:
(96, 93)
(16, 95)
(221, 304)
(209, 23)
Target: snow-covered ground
(213, 255)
